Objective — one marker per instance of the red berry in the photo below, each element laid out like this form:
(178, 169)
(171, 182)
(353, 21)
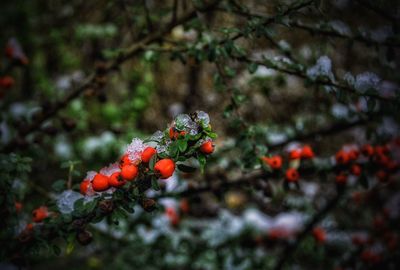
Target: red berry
(129, 172)
(172, 216)
(355, 170)
(29, 227)
(382, 176)
(6, 82)
(18, 207)
(147, 154)
(342, 157)
(84, 186)
(184, 206)
(367, 150)
(275, 162)
(39, 214)
(292, 175)
(353, 154)
(307, 152)
(207, 148)
(115, 180)
(165, 167)
(319, 235)
(341, 178)
(100, 182)
(295, 154)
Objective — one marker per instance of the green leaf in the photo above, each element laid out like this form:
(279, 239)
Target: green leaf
(154, 184)
(152, 162)
(252, 67)
(173, 149)
(202, 160)
(185, 168)
(182, 145)
(59, 185)
(56, 250)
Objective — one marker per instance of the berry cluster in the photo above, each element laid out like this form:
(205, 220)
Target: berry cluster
(275, 163)
(366, 160)
(188, 136)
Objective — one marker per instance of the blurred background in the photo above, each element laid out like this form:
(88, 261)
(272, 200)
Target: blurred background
(272, 75)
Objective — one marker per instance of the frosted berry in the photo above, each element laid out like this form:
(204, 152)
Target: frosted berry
(147, 154)
(84, 186)
(100, 182)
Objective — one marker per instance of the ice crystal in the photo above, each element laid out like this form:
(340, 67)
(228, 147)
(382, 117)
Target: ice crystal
(110, 169)
(135, 149)
(66, 200)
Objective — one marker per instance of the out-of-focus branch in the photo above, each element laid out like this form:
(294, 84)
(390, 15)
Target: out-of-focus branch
(90, 81)
(326, 81)
(314, 30)
(292, 246)
(333, 33)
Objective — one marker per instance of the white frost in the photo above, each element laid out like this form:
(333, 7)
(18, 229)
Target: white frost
(365, 81)
(323, 68)
(66, 200)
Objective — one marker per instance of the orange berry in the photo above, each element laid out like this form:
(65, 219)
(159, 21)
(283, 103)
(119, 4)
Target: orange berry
(165, 167)
(367, 150)
(207, 148)
(292, 175)
(100, 182)
(342, 157)
(129, 172)
(39, 214)
(84, 186)
(124, 161)
(341, 178)
(147, 154)
(307, 152)
(295, 154)
(115, 180)
(319, 235)
(275, 162)
(18, 207)
(355, 170)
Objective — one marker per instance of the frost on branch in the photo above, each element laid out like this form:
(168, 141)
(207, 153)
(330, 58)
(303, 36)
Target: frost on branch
(322, 69)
